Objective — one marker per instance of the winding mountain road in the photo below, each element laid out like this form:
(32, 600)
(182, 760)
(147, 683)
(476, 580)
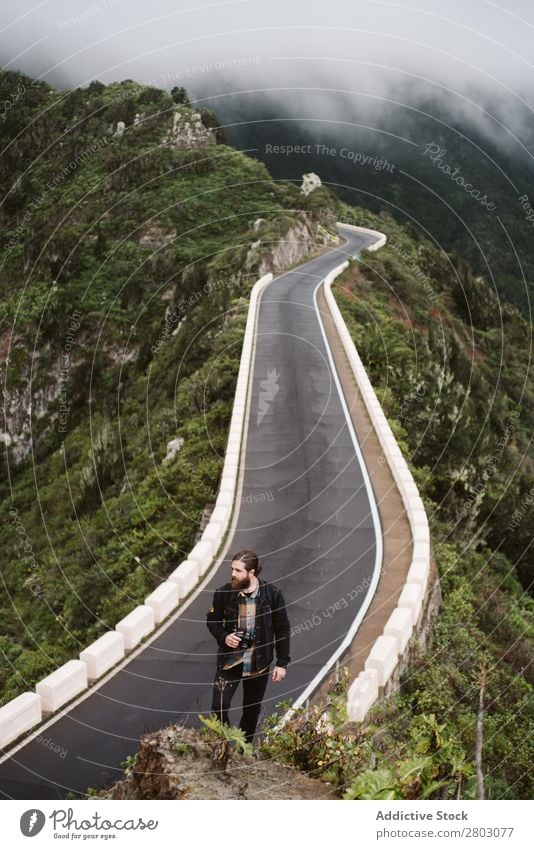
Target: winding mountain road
(305, 507)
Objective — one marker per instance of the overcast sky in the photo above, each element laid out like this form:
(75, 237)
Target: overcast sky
(279, 42)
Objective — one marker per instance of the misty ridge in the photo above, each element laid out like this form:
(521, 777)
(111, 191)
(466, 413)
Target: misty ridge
(421, 112)
(457, 167)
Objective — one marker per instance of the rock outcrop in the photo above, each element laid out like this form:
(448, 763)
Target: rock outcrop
(310, 182)
(188, 132)
(302, 239)
(25, 402)
(173, 447)
(156, 236)
(183, 763)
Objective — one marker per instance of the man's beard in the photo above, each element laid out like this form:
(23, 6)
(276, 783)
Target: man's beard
(243, 584)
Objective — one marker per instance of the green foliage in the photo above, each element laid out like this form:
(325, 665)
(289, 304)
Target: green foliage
(383, 349)
(128, 764)
(392, 757)
(183, 748)
(215, 730)
(404, 780)
(99, 471)
(179, 95)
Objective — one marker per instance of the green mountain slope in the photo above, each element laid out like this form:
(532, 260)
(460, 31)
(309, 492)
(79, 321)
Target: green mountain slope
(128, 255)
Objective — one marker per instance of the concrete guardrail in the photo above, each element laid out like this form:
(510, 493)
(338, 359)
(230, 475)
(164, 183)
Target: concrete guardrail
(391, 644)
(136, 625)
(62, 685)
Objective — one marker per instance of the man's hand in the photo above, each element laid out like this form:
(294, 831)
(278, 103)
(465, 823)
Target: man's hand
(279, 673)
(232, 641)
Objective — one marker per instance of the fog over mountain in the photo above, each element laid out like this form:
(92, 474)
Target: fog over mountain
(369, 79)
(293, 56)
(367, 43)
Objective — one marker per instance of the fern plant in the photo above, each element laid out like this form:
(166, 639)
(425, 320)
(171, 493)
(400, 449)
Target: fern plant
(222, 736)
(408, 779)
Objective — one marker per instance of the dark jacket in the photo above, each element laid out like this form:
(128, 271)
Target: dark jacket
(272, 624)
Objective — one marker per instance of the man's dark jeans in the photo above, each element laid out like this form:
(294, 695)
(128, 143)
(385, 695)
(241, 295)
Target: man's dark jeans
(224, 687)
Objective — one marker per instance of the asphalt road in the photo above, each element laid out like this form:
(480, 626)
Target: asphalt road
(304, 508)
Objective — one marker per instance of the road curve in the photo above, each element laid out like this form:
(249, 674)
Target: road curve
(304, 508)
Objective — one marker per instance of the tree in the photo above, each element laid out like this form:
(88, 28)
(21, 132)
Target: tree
(179, 95)
(95, 87)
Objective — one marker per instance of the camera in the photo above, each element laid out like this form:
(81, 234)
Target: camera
(246, 639)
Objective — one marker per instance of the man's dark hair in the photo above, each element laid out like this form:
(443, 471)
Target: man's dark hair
(250, 559)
